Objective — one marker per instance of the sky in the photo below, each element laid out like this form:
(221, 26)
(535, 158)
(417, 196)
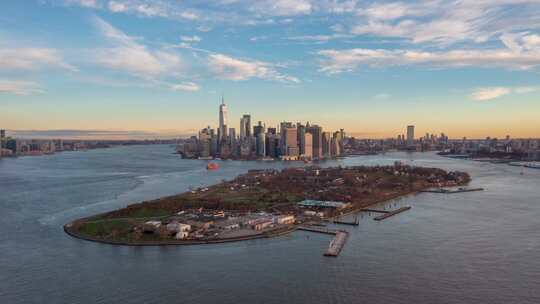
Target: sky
(129, 68)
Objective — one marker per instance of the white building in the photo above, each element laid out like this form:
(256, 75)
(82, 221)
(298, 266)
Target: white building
(285, 219)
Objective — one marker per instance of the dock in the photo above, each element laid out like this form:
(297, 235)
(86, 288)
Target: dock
(336, 245)
(318, 230)
(449, 191)
(374, 210)
(391, 213)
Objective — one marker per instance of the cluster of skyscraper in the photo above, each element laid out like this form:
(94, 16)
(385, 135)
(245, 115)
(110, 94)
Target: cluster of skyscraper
(288, 141)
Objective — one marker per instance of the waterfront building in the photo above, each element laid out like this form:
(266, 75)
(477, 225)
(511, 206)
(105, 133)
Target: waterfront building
(308, 148)
(335, 145)
(261, 145)
(245, 148)
(223, 113)
(326, 144)
(301, 131)
(282, 137)
(291, 141)
(316, 132)
(410, 135)
(272, 143)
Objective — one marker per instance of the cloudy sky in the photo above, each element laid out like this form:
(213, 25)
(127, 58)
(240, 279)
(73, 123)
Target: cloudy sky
(466, 68)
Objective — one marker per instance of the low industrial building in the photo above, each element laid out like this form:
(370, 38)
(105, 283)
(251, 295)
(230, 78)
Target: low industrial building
(285, 219)
(323, 204)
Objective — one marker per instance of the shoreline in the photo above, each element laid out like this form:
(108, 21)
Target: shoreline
(261, 189)
(263, 235)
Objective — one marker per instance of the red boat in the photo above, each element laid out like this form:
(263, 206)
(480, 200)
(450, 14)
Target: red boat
(212, 166)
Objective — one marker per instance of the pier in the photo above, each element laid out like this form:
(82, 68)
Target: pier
(449, 191)
(318, 230)
(391, 213)
(374, 210)
(337, 244)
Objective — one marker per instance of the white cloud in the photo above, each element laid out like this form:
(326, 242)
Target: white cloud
(84, 3)
(191, 38)
(319, 38)
(446, 22)
(186, 86)
(489, 93)
(483, 94)
(32, 59)
(18, 87)
(337, 61)
(117, 7)
(128, 55)
(234, 69)
(281, 7)
(151, 9)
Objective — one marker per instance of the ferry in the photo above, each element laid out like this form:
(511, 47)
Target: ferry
(212, 166)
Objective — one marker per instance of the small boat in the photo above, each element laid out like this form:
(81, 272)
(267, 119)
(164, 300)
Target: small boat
(212, 166)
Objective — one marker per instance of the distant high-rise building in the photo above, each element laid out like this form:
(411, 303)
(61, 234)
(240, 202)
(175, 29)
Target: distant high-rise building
(260, 143)
(272, 143)
(245, 126)
(258, 129)
(326, 144)
(410, 135)
(232, 136)
(316, 133)
(223, 113)
(271, 131)
(301, 132)
(291, 141)
(308, 148)
(282, 137)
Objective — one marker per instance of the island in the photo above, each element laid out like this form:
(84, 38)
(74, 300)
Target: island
(259, 204)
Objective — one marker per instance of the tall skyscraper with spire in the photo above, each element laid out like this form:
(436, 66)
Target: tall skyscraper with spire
(222, 119)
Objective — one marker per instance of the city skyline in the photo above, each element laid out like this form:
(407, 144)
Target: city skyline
(145, 69)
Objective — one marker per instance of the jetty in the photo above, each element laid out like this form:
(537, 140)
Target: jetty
(374, 210)
(391, 213)
(337, 243)
(318, 229)
(451, 191)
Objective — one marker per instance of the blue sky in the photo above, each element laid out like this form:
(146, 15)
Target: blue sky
(466, 68)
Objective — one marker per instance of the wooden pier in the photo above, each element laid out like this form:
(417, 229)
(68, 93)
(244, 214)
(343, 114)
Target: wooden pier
(391, 213)
(336, 245)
